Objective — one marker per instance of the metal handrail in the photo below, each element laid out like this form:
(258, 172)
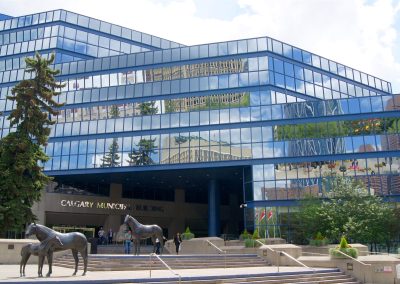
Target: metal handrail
(298, 261)
(356, 260)
(260, 242)
(289, 256)
(166, 265)
(220, 250)
(348, 256)
(323, 254)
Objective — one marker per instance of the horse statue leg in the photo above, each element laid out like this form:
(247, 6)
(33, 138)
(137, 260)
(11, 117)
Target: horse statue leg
(75, 255)
(84, 255)
(138, 246)
(22, 264)
(153, 239)
(50, 262)
(40, 265)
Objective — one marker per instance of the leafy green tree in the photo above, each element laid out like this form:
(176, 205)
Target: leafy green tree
(350, 210)
(111, 158)
(21, 153)
(142, 156)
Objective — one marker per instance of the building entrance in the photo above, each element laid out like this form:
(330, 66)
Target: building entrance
(88, 232)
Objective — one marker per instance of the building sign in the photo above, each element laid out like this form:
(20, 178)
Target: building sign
(109, 205)
(91, 204)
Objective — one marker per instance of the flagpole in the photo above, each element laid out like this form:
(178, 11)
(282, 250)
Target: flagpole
(266, 224)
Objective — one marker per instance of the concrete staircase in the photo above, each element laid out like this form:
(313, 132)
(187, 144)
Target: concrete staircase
(130, 262)
(119, 249)
(323, 277)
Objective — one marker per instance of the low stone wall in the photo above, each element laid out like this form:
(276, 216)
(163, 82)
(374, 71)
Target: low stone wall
(378, 269)
(10, 251)
(324, 250)
(196, 246)
(272, 253)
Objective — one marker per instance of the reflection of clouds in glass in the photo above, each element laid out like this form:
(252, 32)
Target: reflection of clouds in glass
(257, 151)
(258, 172)
(268, 150)
(269, 171)
(281, 183)
(258, 190)
(365, 105)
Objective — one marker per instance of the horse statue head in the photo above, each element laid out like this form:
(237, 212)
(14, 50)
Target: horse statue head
(31, 230)
(127, 217)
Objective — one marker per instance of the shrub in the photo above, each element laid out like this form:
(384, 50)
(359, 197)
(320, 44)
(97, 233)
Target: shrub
(256, 234)
(319, 240)
(187, 235)
(345, 248)
(245, 235)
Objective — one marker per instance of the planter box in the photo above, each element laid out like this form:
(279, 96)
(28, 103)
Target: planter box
(353, 252)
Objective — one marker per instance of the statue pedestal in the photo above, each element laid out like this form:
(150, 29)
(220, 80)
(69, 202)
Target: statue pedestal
(10, 251)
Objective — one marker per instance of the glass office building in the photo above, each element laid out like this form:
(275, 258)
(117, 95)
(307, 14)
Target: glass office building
(254, 122)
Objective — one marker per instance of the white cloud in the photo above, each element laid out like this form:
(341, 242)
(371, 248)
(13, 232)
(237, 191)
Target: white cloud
(356, 33)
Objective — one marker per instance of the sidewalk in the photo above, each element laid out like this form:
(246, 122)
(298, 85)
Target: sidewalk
(10, 274)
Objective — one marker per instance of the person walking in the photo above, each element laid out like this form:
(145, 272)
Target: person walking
(158, 246)
(101, 236)
(177, 241)
(127, 241)
(110, 236)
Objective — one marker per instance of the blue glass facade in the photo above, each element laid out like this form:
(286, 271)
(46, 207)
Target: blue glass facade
(139, 103)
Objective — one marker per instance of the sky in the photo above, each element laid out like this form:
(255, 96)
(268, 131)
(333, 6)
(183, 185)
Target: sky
(363, 34)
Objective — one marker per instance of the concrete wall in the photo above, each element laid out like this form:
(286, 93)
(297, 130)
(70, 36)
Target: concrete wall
(324, 250)
(272, 254)
(10, 251)
(379, 269)
(196, 246)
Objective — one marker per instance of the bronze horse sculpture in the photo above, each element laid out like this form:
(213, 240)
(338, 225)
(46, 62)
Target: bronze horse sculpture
(41, 250)
(140, 231)
(74, 241)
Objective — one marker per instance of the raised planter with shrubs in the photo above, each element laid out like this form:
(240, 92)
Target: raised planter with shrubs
(187, 235)
(319, 240)
(344, 247)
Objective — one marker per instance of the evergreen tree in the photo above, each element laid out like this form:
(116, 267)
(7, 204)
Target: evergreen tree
(21, 153)
(34, 100)
(142, 156)
(148, 108)
(111, 159)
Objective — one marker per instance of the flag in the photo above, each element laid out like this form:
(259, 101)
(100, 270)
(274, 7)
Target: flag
(262, 215)
(269, 215)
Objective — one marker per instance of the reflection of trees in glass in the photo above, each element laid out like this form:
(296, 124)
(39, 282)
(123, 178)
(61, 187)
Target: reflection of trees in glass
(337, 128)
(111, 159)
(300, 145)
(310, 130)
(142, 155)
(114, 111)
(230, 100)
(148, 108)
(373, 126)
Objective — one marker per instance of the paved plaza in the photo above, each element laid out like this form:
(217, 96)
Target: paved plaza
(10, 274)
